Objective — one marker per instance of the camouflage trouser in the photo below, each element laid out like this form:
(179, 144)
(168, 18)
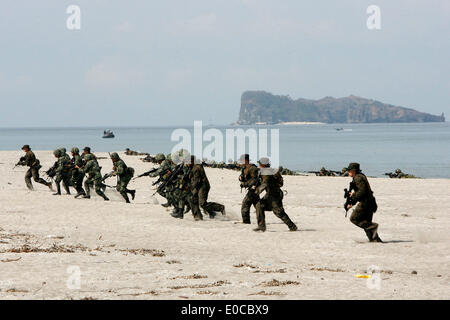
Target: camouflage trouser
(77, 180)
(272, 203)
(200, 200)
(251, 198)
(362, 217)
(97, 183)
(33, 172)
(122, 185)
(181, 198)
(64, 177)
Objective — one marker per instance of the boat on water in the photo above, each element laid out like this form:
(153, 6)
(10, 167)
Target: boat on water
(108, 134)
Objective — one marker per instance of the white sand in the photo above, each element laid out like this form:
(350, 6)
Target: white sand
(321, 259)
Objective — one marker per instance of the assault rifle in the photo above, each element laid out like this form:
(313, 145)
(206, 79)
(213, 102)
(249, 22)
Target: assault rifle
(349, 200)
(108, 175)
(146, 174)
(172, 176)
(51, 172)
(185, 178)
(160, 179)
(20, 162)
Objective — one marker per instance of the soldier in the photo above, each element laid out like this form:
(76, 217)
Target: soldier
(182, 193)
(61, 171)
(163, 172)
(76, 176)
(200, 187)
(124, 174)
(87, 150)
(367, 206)
(94, 177)
(271, 183)
(30, 160)
(249, 179)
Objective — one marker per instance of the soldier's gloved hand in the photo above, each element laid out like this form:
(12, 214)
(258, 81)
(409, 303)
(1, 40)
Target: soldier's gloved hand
(242, 185)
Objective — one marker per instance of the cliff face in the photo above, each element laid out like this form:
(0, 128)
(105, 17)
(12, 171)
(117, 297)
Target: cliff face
(261, 106)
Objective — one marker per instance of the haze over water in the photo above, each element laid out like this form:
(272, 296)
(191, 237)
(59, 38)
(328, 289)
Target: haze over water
(420, 149)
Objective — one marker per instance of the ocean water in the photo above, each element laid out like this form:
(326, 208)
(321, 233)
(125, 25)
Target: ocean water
(419, 149)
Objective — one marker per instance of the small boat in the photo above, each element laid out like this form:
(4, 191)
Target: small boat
(108, 134)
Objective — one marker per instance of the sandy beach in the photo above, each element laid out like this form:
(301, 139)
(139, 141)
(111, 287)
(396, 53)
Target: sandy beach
(138, 251)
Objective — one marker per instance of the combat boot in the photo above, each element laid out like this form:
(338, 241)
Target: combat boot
(289, 223)
(166, 205)
(125, 196)
(198, 218)
(86, 196)
(260, 229)
(66, 188)
(58, 190)
(177, 213)
(80, 192)
(133, 193)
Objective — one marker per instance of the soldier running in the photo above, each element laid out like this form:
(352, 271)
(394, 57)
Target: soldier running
(363, 213)
(249, 179)
(61, 171)
(34, 165)
(124, 174)
(94, 177)
(271, 183)
(200, 188)
(76, 176)
(163, 172)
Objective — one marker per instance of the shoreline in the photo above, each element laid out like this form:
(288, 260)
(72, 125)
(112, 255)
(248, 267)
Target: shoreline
(293, 171)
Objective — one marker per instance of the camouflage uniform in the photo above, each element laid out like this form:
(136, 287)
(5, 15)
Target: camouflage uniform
(363, 213)
(200, 188)
(94, 177)
(250, 180)
(182, 193)
(30, 161)
(124, 174)
(272, 200)
(76, 176)
(163, 172)
(62, 173)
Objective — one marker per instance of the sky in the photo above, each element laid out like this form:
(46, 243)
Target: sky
(163, 63)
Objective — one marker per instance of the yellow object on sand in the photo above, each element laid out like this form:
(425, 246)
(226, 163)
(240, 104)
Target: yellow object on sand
(362, 276)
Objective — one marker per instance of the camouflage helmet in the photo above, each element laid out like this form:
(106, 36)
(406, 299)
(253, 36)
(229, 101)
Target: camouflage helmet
(398, 171)
(88, 157)
(169, 156)
(353, 166)
(114, 155)
(63, 150)
(160, 157)
(57, 152)
(75, 150)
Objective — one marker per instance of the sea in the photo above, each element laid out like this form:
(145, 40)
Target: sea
(421, 149)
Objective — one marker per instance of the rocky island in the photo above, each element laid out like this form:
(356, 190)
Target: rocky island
(260, 107)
